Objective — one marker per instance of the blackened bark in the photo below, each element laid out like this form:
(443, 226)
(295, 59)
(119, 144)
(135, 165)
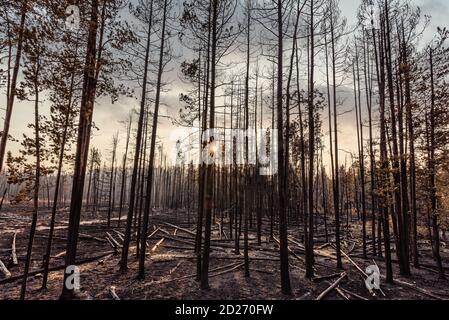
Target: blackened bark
(144, 231)
(132, 193)
(82, 150)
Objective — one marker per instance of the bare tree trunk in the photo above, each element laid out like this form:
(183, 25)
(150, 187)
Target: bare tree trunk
(336, 151)
(368, 92)
(144, 231)
(208, 196)
(247, 172)
(58, 181)
(311, 120)
(303, 196)
(285, 274)
(361, 158)
(401, 222)
(124, 169)
(91, 170)
(202, 166)
(411, 141)
(432, 176)
(36, 184)
(111, 181)
(12, 84)
(383, 180)
(132, 194)
(82, 150)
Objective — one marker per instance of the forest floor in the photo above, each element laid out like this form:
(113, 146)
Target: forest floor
(171, 265)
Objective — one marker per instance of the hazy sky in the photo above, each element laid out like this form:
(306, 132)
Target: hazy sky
(107, 116)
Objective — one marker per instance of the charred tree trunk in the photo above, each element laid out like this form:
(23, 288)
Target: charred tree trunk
(336, 151)
(132, 194)
(432, 176)
(285, 275)
(209, 179)
(12, 83)
(36, 182)
(58, 181)
(383, 180)
(124, 170)
(311, 120)
(144, 231)
(82, 150)
(111, 180)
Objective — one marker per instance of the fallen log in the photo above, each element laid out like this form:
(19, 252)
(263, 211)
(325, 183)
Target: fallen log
(102, 261)
(261, 271)
(153, 233)
(355, 295)
(353, 263)
(179, 228)
(323, 246)
(56, 268)
(112, 245)
(41, 236)
(332, 287)
(168, 246)
(112, 291)
(157, 245)
(331, 276)
(315, 251)
(176, 239)
(432, 266)
(352, 249)
(341, 293)
(89, 237)
(120, 235)
(418, 289)
(241, 258)
(4, 270)
(289, 250)
(81, 236)
(323, 235)
(61, 254)
(291, 239)
(226, 271)
(174, 269)
(115, 242)
(362, 273)
(233, 265)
